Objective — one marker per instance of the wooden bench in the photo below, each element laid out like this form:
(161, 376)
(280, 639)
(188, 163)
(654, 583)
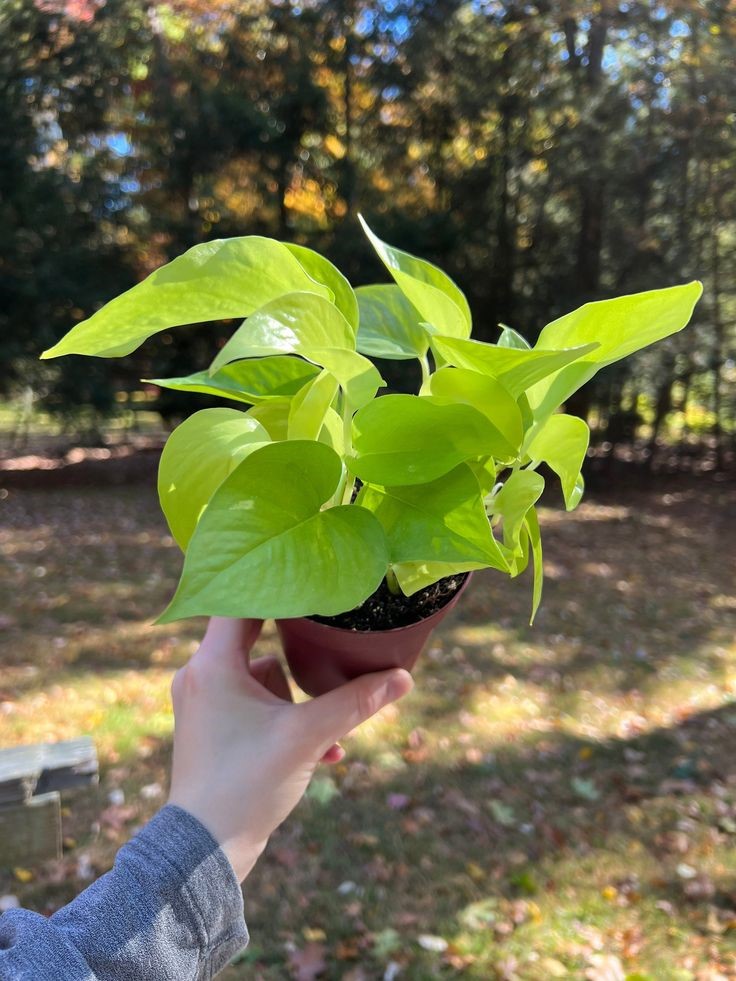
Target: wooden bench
(32, 779)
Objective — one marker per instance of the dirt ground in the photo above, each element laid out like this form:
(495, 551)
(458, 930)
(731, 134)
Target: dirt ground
(551, 801)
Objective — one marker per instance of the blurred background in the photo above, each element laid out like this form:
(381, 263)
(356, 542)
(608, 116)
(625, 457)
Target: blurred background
(544, 154)
(551, 802)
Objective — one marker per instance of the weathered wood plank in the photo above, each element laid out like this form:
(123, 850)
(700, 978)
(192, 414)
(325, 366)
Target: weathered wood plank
(68, 764)
(20, 769)
(25, 770)
(30, 831)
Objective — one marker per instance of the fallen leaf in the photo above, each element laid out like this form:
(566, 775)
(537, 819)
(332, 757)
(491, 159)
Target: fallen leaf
(502, 813)
(552, 968)
(397, 802)
(23, 875)
(479, 915)
(288, 857)
(308, 963)
(322, 790)
(116, 817)
(585, 788)
(605, 967)
(386, 942)
(475, 871)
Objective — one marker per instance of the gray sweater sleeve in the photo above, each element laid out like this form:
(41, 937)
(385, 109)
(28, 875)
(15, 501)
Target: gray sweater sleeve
(171, 908)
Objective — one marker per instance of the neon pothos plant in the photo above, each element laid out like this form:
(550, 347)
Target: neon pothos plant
(260, 496)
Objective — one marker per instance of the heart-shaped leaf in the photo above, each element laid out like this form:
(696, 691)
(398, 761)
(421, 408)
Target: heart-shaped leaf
(197, 457)
(487, 395)
(517, 370)
(323, 271)
(213, 281)
(247, 381)
(293, 323)
(441, 521)
(562, 443)
(620, 326)
(407, 439)
(309, 406)
(265, 548)
(439, 300)
(310, 326)
(521, 491)
(389, 324)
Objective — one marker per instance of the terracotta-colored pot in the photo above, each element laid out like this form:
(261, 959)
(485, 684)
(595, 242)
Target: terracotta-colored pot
(322, 657)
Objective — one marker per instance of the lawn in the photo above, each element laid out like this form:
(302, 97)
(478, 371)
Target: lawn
(556, 801)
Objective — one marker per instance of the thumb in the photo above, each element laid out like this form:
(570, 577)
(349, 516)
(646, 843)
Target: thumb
(331, 716)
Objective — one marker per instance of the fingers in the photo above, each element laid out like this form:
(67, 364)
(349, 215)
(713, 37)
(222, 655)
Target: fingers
(331, 716)
(228, 639)
(232, 633)
(269, 672)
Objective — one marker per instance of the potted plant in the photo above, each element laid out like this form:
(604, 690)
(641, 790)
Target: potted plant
(355, 520)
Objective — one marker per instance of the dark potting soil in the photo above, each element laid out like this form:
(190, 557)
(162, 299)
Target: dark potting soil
(383, 610)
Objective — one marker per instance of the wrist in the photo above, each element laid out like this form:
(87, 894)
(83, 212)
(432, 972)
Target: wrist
(241, 853)
(242, 856)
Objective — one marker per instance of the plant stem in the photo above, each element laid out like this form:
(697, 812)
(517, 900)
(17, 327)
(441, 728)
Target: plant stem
(424, 365)
(393, 583)
(345, 488)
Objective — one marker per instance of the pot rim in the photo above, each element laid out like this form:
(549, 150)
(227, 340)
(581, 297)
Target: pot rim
(390, 630)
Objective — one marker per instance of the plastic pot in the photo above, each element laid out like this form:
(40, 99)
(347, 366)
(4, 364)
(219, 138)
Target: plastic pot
(322, 657)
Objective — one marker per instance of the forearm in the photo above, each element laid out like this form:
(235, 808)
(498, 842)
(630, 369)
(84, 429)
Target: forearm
(171, 908)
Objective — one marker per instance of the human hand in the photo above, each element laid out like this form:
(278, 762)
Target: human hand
(244, 753)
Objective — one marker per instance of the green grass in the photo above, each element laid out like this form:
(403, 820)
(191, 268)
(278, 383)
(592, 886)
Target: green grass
(546, 798)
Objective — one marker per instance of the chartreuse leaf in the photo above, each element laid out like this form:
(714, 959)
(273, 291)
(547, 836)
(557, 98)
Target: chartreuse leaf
(213, 281)
(247, 381)
(293, 323)
(531, 523)
(323, 271)
(310, 326)
(441, 521)
(561, 443)
(333, 431)
(265, 548)
(273, 415)
(620, 326)
(389, 324)
(405, 439)
(413, 576)
(437, 298)
(521, 491)
(487, 395)
(197, 457)
(512, 338)
(358, 377)
(517, 370)
(485, 473)
(309, 406)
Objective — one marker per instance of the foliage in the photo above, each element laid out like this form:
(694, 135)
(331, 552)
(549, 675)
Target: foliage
(544, 154)
(265, 496)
